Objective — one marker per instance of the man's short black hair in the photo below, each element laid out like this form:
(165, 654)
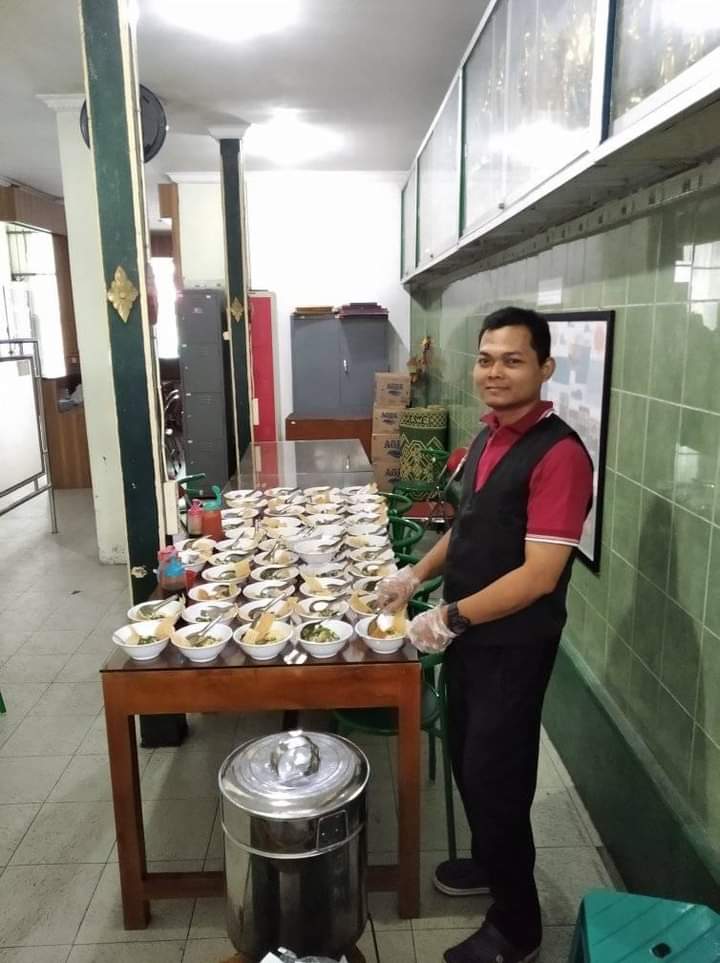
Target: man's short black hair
(522, 317)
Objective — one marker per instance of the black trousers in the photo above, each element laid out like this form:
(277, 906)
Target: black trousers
(495, 697)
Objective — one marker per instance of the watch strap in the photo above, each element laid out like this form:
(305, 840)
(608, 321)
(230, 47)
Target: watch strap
(457, 623)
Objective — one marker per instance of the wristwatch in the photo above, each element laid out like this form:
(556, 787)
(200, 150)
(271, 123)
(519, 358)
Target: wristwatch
(457, 623)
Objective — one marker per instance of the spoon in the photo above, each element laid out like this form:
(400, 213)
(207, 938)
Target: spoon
(156, 606)
(208, 629)
(329, 608)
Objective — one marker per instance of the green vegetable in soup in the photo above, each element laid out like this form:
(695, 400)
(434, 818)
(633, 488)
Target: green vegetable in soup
(317, 632)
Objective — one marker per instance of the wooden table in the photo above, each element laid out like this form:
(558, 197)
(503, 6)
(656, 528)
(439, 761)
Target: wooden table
(234, 683)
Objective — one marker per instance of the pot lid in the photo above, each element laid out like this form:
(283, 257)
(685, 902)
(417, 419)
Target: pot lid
(293, 775)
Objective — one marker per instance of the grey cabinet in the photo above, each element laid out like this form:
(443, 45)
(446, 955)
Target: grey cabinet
(334, 363)
(203, 365)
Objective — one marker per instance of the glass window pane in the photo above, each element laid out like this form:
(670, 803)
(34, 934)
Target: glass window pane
(655, 40)
(409, 214)
(485, 120)
(438, 192)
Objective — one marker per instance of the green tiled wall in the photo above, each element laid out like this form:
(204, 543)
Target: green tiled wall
(648, 626)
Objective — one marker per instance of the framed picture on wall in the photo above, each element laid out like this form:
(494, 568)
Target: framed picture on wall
(580, 390)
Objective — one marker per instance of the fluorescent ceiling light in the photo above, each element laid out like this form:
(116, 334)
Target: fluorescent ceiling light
(288, 141)
(230, 21)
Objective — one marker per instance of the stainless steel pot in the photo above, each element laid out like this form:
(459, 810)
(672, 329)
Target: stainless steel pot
(294, 821)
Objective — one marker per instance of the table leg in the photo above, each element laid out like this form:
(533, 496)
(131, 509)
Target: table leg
(125, 778)
(408, 747)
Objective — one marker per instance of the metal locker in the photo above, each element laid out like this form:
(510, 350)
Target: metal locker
(201, 321)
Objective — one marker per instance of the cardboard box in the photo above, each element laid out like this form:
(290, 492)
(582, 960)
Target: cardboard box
(386, 459)
(385, 446)
(387, 472)
(386, 419)
(392, 388)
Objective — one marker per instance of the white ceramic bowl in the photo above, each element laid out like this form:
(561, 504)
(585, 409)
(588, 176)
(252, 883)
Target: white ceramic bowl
(361, 555)
(280, 523)
(336, 588)
(244, 495)
(325, 650)
(279, 492)
(285, 510)
(217, 591)
(221, 573)
(232, 556)
(366, 541)
(381, 646)
(373, 569)
(222, 633)
(366, 508)
(317, 490)
(265, 573)
(363, 528)
(245, 538)
(265, 650)
(234, 517)
(336, 568)
(263, 558)
(188, 543)
(324, 519)
(282, 609)
(257, 590)
(169, 610)
(304, 612)
(360, 613)
(193, 613)
(368, 583)
(315, 552)
(140, 653)
(377, 521)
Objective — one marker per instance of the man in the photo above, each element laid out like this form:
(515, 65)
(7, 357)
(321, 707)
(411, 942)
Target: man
(527, 488)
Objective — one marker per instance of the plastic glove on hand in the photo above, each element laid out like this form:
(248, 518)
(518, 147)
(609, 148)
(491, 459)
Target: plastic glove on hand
(394, 592)
(429, 632)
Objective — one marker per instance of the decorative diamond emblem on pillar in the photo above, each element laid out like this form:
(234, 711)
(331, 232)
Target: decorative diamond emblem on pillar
(122, 293)
(236, 309)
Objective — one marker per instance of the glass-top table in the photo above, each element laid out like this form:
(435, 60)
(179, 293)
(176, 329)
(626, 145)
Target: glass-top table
(303, 464)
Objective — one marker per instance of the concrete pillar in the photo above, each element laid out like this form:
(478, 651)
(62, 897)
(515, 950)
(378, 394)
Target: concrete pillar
(90, 304)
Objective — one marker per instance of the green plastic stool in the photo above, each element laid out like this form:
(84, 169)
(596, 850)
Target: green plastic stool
(615, 926)
(404, 533)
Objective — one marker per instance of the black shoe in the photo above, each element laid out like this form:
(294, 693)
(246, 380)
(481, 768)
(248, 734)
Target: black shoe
(488, 945)
(460, 877)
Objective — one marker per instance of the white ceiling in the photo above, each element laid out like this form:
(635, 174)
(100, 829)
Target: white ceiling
(373, 72)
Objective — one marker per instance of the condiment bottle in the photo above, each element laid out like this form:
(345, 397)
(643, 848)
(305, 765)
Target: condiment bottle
(194, 517)
(212, 516)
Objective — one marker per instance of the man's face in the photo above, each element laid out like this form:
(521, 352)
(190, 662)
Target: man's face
(507, 373)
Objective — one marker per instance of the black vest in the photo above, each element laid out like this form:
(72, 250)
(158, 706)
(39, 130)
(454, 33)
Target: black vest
(487, 539)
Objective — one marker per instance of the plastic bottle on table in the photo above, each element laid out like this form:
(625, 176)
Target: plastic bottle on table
(194, 517)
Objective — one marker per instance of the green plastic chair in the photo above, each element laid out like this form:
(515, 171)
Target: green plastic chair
(433, 721)
(615, 926)
(2, 705)
(397, 503)
(404, 533)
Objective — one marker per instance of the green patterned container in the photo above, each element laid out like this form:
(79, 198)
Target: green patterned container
(420, 430)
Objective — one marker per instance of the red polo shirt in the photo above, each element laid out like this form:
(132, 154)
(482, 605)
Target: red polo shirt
(561, 483)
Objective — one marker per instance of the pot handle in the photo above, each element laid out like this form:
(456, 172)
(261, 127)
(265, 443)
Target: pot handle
(294, 757)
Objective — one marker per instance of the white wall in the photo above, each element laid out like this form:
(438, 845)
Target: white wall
(315, 237)
(201, 234)
(90, 304)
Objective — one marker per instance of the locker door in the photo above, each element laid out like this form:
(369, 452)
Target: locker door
(316, 366)
(363, 351)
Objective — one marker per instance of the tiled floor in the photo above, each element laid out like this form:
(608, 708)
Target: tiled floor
(59, 891)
